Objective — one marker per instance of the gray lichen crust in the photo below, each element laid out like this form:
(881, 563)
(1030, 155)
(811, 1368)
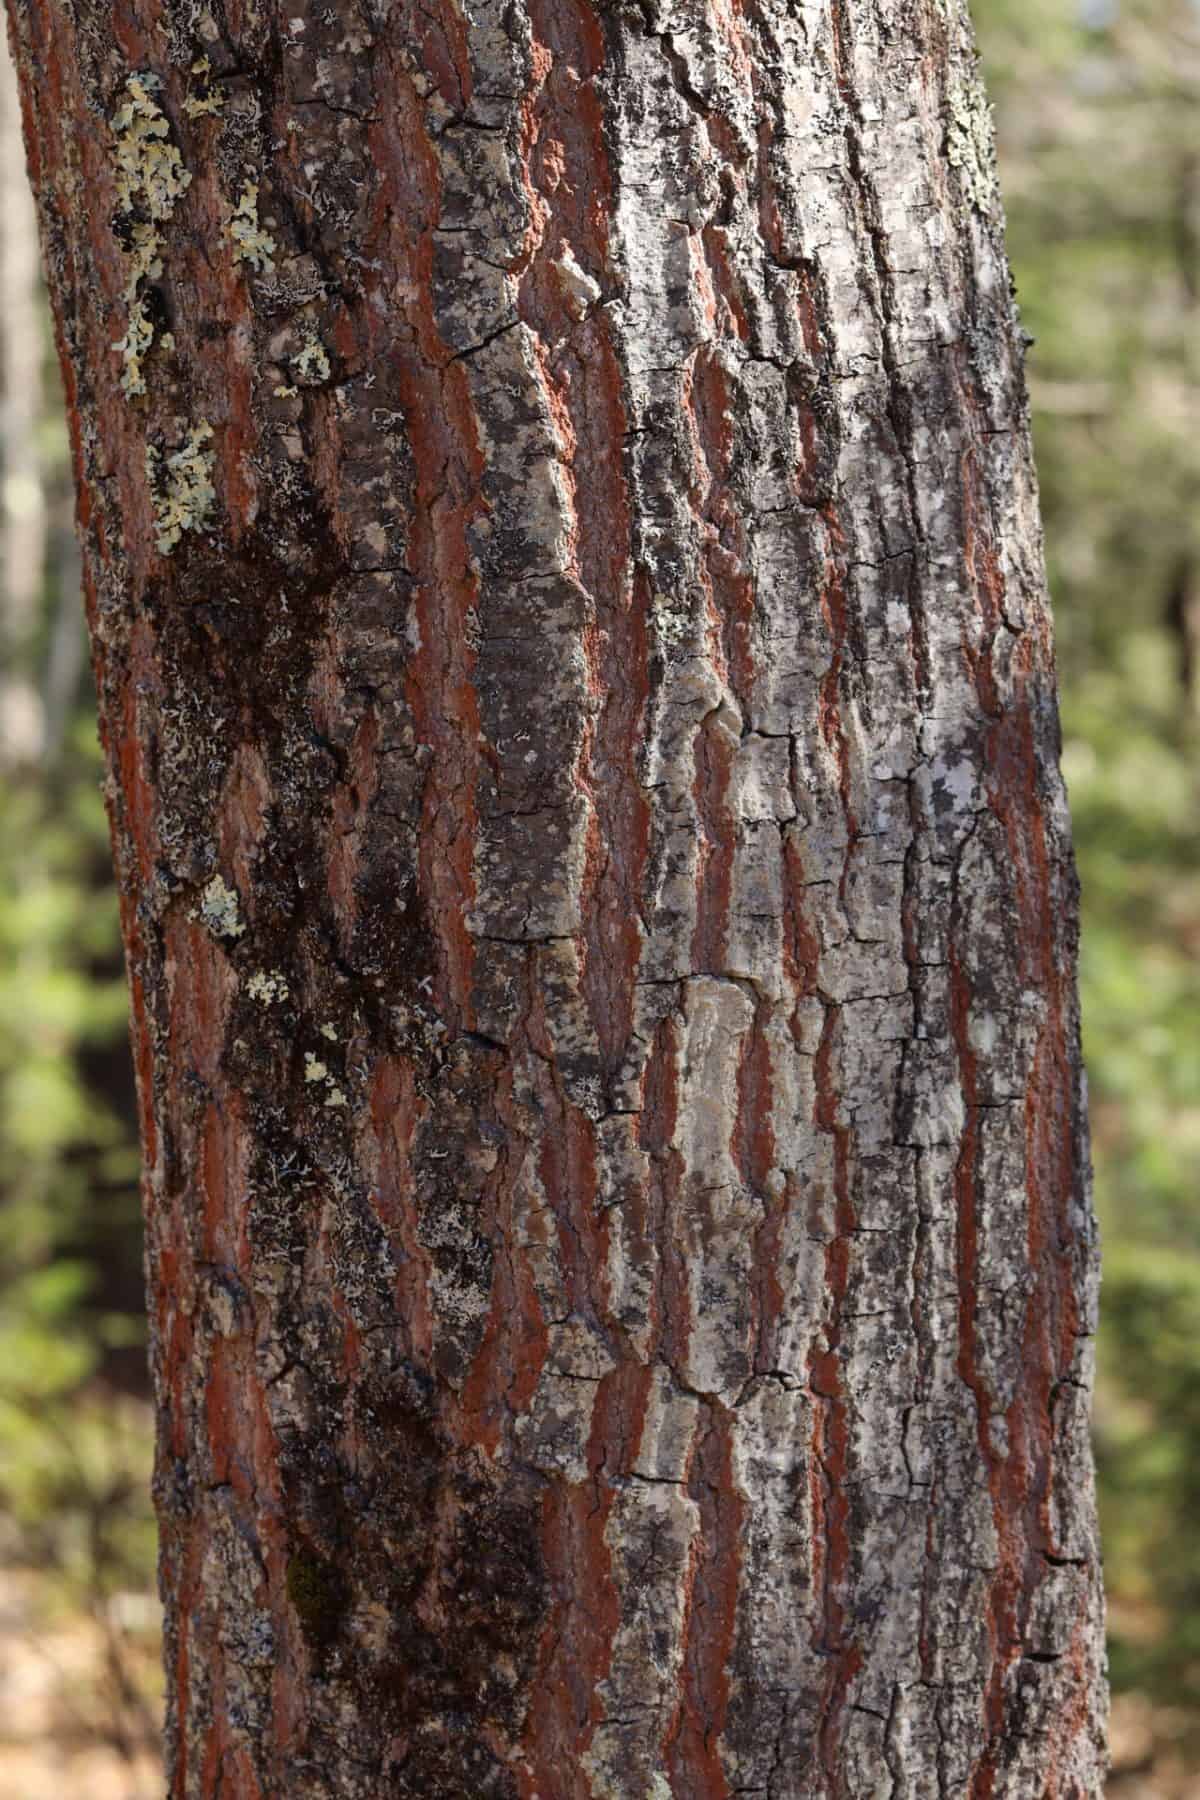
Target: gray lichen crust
(970, 142)
(598, 895)
(218, 909)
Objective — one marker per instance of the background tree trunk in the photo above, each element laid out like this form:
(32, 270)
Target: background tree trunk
(22, 501)
(566, 592)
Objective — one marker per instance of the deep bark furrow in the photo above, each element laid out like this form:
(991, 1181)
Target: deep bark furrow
(577, 680)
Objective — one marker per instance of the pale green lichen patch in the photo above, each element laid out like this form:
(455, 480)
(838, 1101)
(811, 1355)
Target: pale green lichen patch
(268, 985)
(181, 489)
(218, 909)
(150, 172)
(970, 143)
(314, 1068)
(139, 336)
(150, 179)
(251, 243)
(312, 362)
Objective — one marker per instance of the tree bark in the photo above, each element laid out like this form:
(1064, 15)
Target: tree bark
(565, 583)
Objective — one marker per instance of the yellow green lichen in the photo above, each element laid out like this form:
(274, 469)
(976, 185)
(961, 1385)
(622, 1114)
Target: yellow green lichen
(150, 172)
(251, 243)
(312, 362)
(196, 105)
(317, 1072)
(137, 342)
(150, 179)
(181, 489)
(267, 985)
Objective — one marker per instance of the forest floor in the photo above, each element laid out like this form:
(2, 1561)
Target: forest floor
(78, 1707)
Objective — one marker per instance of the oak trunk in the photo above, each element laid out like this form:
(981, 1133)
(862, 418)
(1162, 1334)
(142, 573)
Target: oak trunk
(566, 591)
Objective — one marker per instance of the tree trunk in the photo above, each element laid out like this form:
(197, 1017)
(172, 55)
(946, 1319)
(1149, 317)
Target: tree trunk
(565, 582)
(23, 735)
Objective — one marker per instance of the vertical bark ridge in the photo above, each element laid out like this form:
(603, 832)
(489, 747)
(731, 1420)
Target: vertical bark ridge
(598, 897)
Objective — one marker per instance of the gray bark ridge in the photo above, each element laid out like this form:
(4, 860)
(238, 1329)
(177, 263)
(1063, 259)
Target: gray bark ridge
(570, 623)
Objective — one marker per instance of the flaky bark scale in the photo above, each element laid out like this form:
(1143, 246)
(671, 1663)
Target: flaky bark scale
(578, 688)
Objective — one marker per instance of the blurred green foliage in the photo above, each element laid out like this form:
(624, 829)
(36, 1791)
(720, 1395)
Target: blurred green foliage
(1096, 104)
(75, 1445)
